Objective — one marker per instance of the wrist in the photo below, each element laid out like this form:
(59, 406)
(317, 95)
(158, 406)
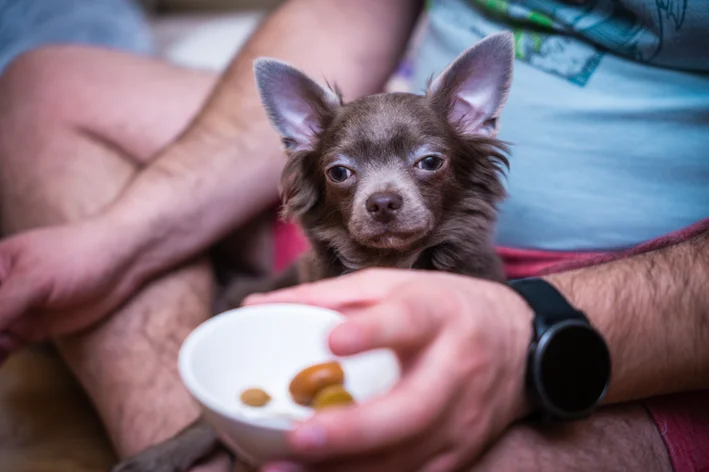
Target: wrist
(126, 235)
(568, 365)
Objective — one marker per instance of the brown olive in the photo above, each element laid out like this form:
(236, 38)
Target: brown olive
(255, 397)
(308, 382)
(334, 395)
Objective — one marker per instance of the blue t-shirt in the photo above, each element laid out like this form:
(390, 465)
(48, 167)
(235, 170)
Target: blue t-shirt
(608, 115)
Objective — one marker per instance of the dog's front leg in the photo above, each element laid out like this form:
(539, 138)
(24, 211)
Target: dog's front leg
(177, 454)
(242, 286)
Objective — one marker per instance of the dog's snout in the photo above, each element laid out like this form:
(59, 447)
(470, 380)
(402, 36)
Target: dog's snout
(383, 206)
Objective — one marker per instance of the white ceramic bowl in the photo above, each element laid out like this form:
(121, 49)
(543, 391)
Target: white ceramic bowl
(265, 346)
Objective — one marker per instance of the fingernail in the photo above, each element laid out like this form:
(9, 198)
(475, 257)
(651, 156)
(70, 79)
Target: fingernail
(283, 467)
(254, 297)
(348, 338)
(309, 437)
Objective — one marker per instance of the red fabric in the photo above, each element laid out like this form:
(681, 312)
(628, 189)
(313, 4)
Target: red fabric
(682, 419)
(683, 422)
(290, 243)
(520, 263)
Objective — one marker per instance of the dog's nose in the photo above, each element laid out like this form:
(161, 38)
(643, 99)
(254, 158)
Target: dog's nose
(383, 206)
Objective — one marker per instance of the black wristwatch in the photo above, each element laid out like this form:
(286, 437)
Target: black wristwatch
(569, 365)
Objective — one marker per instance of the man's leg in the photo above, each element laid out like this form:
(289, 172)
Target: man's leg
(77, 124)
(622, 438)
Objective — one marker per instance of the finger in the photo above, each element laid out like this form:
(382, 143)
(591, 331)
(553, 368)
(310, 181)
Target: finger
(399, 323)
(411, 407)
(360, 287)
(15, 299)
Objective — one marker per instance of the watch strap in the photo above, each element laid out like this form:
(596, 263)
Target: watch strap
(549, 305)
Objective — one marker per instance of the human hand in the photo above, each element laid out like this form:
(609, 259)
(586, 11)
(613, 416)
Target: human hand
(58, 280)
(462, 346)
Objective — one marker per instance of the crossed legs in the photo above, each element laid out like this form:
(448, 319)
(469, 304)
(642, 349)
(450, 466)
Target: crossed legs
(78, 124)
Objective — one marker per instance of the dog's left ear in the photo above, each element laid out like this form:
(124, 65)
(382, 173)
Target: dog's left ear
(297, 106)
(473, 89)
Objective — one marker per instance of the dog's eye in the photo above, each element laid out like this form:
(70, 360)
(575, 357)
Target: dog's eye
(430, 163)
(339, 174)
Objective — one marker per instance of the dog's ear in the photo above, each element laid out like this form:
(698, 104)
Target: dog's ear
(297, 106)
(473, 89)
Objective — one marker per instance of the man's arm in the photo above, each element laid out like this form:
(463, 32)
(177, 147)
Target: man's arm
(653, 309)
(225, 167)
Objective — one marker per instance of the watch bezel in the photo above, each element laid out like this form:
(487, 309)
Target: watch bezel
(540, 391)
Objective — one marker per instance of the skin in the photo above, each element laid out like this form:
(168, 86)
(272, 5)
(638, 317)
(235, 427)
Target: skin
(152, 223)
(135, 188)
(474, 329)
(109, 230)
(138, 402)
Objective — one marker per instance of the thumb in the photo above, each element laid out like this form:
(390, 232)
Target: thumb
(16, 299)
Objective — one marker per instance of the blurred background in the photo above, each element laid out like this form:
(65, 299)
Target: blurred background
(204, 33)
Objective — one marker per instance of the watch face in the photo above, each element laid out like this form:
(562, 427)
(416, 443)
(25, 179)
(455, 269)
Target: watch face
(572, 368)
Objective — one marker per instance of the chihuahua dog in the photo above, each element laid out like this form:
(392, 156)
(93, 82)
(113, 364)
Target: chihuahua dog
(388, 180)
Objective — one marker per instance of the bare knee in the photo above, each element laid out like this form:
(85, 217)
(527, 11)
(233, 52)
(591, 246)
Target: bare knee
(135, 104)
(52, 167)
(38, 91)
(40, 85)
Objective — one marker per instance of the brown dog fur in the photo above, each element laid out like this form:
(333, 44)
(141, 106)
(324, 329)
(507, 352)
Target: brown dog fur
(388, 180)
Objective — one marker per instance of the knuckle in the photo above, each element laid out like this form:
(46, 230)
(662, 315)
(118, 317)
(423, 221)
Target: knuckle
(414, 321)
(369, 273)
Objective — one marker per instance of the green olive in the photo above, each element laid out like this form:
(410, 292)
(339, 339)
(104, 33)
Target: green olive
(334, 395)
(308, 382)
(255, 397)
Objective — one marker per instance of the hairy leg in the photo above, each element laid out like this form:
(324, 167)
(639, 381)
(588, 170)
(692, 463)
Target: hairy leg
(621, 438)
(78, 123)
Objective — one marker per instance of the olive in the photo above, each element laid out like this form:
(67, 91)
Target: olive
(255, 397)
(308, 382)
(334, 395)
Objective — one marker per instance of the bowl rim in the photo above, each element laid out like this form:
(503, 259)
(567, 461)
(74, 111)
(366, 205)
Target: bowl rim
(193, 339)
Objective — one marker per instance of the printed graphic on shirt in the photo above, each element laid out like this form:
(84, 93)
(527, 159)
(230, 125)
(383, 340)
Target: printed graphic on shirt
(568, 38)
